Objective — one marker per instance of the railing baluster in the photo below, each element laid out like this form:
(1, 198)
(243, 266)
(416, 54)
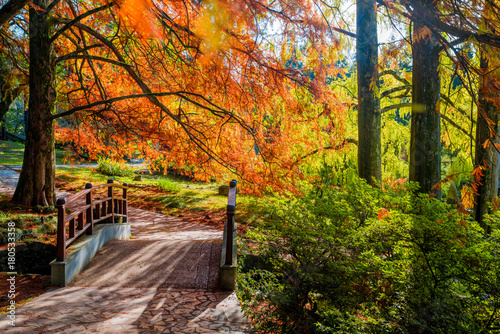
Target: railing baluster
(125, 219)
(110, 195)
(80, 221)
(90, 212)
(61, 230)
(97, 211)
(231, 208)
(72, 228)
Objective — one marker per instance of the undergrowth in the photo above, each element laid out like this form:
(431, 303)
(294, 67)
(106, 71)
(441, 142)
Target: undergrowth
(28, 227)
(113, 168)
(356, 259)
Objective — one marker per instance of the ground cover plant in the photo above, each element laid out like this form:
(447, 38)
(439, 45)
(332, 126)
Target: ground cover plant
(357, 259)
(31, 224)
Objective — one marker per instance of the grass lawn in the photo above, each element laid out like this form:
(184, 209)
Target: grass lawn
(169, 195)
(12, 153)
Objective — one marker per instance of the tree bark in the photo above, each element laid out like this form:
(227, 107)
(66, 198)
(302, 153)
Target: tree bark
(36, 181)
(425, 142)
(486, 132)
(369, 147)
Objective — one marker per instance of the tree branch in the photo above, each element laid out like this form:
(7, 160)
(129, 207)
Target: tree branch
(396, 106)
(79, 18)
(89, 57)
(395, 89)
(11, 9)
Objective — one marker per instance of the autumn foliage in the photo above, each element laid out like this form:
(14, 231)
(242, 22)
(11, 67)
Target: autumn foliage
(209, 93)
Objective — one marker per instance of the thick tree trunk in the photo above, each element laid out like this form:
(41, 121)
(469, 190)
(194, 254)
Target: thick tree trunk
(425, 143)
(486, 155)
(369, 146)
(36, 182)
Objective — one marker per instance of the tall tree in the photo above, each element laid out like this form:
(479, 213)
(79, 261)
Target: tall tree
(486, 152)
(36, 181)
(369, 116)
(425, 142)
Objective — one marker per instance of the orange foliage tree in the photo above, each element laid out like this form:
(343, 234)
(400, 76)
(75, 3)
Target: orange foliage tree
(204, 88)
(207, 87)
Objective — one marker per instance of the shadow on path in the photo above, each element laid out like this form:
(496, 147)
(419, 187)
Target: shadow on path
(164, 280)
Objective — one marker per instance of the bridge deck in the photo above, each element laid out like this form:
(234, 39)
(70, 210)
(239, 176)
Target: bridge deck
(164, 280)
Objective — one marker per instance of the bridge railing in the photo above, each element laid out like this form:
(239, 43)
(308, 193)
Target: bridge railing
(72, 226)
(229, 245)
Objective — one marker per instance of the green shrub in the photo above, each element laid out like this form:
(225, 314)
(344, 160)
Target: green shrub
(169, 185)
(113, 168)
(360, 260)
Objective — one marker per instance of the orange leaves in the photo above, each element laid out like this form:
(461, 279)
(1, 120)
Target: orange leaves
(467, 197)
(138, 14)
(383, 213)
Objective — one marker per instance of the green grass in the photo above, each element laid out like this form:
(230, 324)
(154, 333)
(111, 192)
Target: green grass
(169, 185)
(175, 194)
(12, 153)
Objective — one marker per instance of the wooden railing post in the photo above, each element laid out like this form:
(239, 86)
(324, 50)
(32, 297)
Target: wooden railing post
(125, 209)
(61, 230)
(90, 212)
(110, 207)
(231, 209)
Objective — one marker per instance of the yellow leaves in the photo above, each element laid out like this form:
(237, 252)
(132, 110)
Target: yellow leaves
(212, 27)
(467, 197)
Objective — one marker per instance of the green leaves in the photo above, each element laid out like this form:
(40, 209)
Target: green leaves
(356, 259)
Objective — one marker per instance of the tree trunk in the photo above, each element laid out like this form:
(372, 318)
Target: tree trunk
(425, 142)
(369, 146)
(36, 182)
(486, 132)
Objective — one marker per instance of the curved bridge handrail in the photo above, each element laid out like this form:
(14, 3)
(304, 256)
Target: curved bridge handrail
(74, 197)
(93, 211)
